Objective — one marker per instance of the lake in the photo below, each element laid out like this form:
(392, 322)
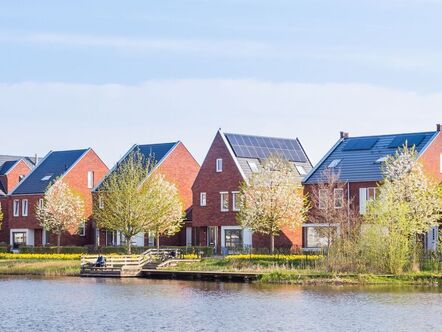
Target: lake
(74, 304)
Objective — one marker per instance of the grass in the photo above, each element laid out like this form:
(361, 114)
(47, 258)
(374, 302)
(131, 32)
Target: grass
(47, 268)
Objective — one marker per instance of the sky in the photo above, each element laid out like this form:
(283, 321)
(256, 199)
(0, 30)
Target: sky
(109, 74)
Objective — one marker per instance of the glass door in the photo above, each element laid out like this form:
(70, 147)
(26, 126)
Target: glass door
(212, 237)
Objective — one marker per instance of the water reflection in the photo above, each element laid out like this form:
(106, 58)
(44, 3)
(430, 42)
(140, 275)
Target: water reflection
(73, 304)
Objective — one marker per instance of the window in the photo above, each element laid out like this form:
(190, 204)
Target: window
(24, 207)
(233, 238)
(382, 160)
(339, 198)
(90, 179)
(440, 163)
(371, 194)
(100, 202)
(219, 165)
(235, 200)
(253, 167)
(323, 194)
(318, 236)
(21, 177)
(46, 177)
(82, 229)
(334, 163)
(224, 201)
(16, 208)
(203, 199)
(40, 203)
(18, 238)
(301, 170)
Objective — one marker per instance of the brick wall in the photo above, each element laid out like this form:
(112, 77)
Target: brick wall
(13, 176)
(431, 158)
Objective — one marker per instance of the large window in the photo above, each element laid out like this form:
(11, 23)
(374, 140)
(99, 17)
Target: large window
(90, 179)
(339, 198)
(82, 229)
(100, 202)
(224, 201)
(235, 200)
(203, 199)
(371, 194)
(317, 236)
(233, 238)
(18, 238)
(24, 207)
(16, 208)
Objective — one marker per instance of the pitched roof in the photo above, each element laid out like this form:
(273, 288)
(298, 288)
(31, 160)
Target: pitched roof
(358, 159)
(54, 165)
(7, 162)
(249, 151)
(155, 152)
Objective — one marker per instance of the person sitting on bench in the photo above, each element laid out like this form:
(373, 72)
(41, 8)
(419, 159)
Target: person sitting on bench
(101, 262)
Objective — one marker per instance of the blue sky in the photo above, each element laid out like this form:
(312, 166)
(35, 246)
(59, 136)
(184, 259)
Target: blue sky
(108, 74)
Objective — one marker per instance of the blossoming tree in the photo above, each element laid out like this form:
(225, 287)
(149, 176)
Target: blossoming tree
(62, 210)
(272, 199)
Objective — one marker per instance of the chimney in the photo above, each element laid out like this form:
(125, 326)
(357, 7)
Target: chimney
(439, 127)
(344, 134)
(36, 159)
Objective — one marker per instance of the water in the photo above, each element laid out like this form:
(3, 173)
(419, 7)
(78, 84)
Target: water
(74, 304)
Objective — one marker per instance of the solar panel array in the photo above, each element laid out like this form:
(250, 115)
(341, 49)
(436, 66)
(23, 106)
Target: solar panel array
(410, 140)
(245, 146)
(360, 144)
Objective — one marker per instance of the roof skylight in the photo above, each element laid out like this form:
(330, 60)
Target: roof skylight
(381, 160)
(334, 163)
(253, 166)
(46, 177)
(301, 170)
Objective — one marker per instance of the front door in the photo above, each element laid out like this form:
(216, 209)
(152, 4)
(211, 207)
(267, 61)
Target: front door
(212, 237)
(18, 239)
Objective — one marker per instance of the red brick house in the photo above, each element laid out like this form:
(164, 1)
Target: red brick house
(231, 159)
(13, 169)
(80, 169)
(176, 163)
(358, 162)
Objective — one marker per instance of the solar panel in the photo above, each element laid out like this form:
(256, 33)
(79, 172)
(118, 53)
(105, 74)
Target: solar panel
(410, 140)
(360, 144)
(262, 147)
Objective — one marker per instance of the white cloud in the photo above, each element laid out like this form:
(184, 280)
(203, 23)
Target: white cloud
(38, 117)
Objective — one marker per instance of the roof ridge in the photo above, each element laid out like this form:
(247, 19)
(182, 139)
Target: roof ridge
(260, 136)
(398, 134)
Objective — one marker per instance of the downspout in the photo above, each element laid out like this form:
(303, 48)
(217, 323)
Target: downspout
(348, 204)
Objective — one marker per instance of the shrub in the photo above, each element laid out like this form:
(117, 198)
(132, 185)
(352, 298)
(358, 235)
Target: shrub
(51, 250)
(40, 256)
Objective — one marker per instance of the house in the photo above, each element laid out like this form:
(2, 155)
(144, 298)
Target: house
(176, 163)
(358, 163)
(80, 169)
(231, 160)
(13, 169)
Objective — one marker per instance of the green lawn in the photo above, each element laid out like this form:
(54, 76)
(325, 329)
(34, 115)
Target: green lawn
(46, 268)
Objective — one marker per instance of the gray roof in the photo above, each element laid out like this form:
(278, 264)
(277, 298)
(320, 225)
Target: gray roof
(7, 162)
(54, 165)
(359, 156)
(251, 150)
(155, 152)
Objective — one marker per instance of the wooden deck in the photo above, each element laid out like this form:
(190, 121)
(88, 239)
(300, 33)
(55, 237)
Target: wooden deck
(200, 275)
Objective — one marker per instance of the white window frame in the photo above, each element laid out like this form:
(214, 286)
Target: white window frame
(301, 170)
(203, 199)
(219, 165)
(224, 194)
(90, 179)
(235, 201)
(16, 208)
(253, 166)
(40, 203)
(82, 229)
(374, 189)
(440, 163)
(100, 202)
(321, 201)
(24, 207)
(342, 197)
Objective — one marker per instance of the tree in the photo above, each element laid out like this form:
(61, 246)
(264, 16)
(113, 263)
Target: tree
(62, 210)
(407, 205)
(125, 205)
(164, 208)
(333, 207)
(1, 215)
(272, 199)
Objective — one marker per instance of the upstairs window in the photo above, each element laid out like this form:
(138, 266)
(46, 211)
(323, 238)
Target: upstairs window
(21, 177)
(203, 199)
(40, 203)
(235, 200)
(339, 198)
(253, 167)
(224, 201)
(16, 208)
(100, 202)
(219, 165)
(440, 163)
(24, 207)
(334, 163)
(90, 179)
(371, 194)
(323, 195)
(82, 229)
(301, 170)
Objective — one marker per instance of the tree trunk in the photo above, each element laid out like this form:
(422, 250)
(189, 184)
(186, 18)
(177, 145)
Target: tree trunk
(58, 242)
(129, 244)
(158, 240)
(272, 243)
